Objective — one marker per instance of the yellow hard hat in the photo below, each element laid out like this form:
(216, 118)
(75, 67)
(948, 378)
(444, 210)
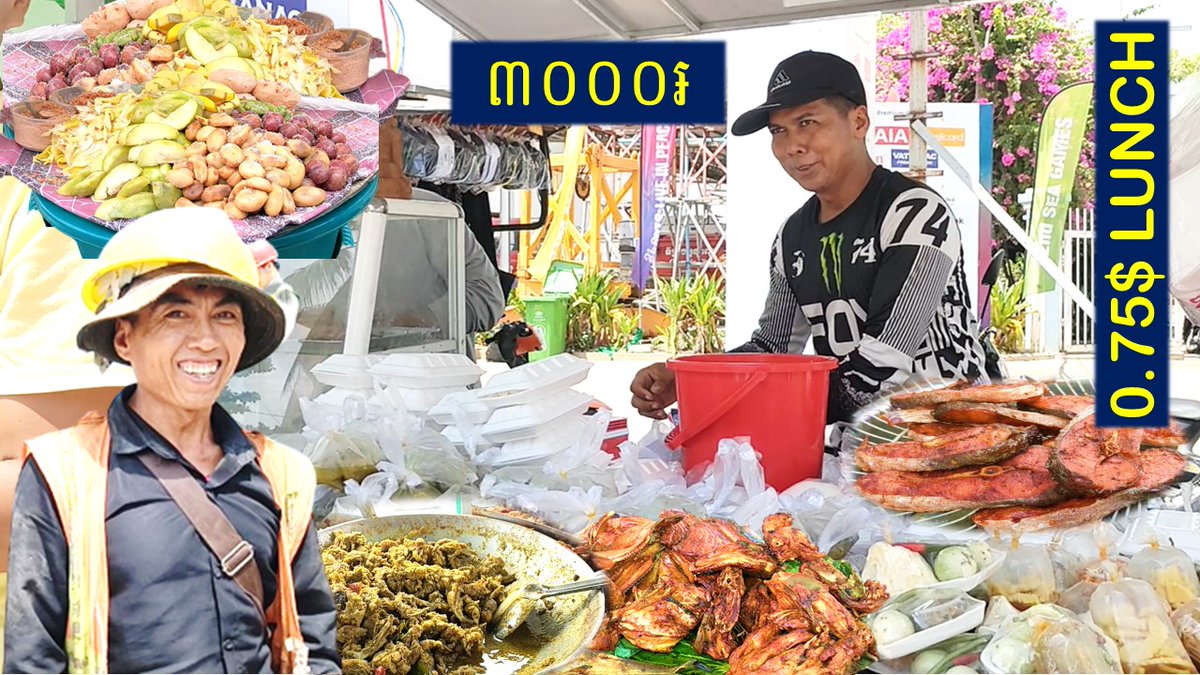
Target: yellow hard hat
(154, 254)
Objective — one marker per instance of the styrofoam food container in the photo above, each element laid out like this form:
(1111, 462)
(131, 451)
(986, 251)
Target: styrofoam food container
(455, 436)
(526, 421)
(427, 371)
(561, 371)
(461, 404)
(343, 370)
(963, 623)
(501, 398)
(549, 442)
(420, 401)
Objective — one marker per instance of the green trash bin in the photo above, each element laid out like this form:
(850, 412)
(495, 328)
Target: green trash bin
(547, 316)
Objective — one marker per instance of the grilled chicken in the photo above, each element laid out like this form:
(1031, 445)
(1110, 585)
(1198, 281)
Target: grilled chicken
(711, 544)
(613, 538)
(991, 413)
(786, 542)
(987, 393)
(715, 636)
(663, 617)
(1159, 469)
(973, 446)
(1021, 480)
(1090, 461)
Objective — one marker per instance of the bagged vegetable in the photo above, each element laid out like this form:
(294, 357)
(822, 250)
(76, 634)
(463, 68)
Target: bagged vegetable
(1186, 621)
(1049, 639)
(341, 456)
(1131, 613)
(1026, 578)
(898, 568)
(962, 651)
(1169, 570)
(1067, 566)
(1078, 598)
(999, 610)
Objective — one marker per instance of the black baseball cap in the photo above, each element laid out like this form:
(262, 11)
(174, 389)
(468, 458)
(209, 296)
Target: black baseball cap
(800, 79)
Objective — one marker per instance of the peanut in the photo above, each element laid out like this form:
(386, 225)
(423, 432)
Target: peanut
(184, 202)
(216, 139)
(203, 133)
(198, 148)
(289, 204)
(222, 120)
(251, 169)
(279, 177)
(227, 172)
(251, 201)
(192, 128)
(234, 212)
(180, 178)
(234, 179)
(239, 135)
(213, 178)
(214, 161)
(308, 196)
(299, 148)
(193, 191)
(231, 154)
(199, 168)
(275, 138)
(259, 183)
(295, 171)
(274, 205)
(216, 193)
(274, 162)
(215, 205)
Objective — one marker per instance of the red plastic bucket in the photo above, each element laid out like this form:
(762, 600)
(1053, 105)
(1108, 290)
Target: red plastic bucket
(778, 401)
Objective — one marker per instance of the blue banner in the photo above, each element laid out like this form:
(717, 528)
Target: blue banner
(1133, 311)
(588, 82)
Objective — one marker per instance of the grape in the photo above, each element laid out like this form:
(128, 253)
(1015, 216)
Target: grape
(93, 66)
(324, 128)
(56, 83)
(328, 147)
(338, 137)
(337, 180)
(39, 92)
(110, 55)
(43, 75)
(306, 136)
(129, 53)
(59, 63)
(290, 130)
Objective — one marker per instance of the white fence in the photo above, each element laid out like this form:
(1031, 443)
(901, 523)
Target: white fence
(1078, 333)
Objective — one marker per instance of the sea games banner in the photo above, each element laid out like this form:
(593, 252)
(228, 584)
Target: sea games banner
(1060, 142)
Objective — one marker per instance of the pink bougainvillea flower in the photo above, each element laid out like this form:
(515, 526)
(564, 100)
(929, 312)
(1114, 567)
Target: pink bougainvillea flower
(1008, 159)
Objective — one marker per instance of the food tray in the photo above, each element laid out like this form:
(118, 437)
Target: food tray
(551, 441)
(427, 371)
(963, 623)
(464, 405)
(958, 525)
(343, 370)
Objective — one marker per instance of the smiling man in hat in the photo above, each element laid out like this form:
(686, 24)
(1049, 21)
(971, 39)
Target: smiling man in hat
(870, 267)
(161, 537)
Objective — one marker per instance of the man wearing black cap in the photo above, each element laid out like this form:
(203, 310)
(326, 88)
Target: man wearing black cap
(870, 267)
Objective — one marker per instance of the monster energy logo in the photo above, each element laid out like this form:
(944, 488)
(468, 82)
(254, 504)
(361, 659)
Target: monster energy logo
(832, 243)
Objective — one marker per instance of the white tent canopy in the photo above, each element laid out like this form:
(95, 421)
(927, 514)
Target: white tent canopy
(643, 19)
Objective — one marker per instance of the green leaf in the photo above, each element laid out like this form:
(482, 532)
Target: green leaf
(843, 567)
(792, 566)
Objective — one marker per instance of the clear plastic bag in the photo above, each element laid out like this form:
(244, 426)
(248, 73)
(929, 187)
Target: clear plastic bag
(435, 459)
(1186, 621)
(338, 456)
(1130, 612)
(1078, 598)
(1026, 578)
(1067, 566)
(420, 152)
(1049, 639)
(1169, 570)
(469, 157)
(999, 610)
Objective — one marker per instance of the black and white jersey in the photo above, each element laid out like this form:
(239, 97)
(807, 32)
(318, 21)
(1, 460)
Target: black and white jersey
(881, 287)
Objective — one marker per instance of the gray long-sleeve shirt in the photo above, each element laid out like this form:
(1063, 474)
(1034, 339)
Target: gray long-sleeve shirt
(171, 608)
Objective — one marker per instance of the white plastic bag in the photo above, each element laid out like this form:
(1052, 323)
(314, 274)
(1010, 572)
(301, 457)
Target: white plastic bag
(436, 460)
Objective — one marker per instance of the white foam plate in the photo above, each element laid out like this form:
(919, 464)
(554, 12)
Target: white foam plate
(342, 370)
(427, 371)
(963, 623)
(549, 442)
(420, 401)
(561, 371)
(526, 421)
(466, 405)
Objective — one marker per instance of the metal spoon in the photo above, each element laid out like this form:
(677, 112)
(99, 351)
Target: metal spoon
(350, 40)
(521, 602)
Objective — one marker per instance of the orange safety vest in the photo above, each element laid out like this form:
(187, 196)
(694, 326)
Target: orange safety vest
(74, 463)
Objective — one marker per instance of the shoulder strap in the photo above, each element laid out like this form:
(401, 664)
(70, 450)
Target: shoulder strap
(235, 554)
